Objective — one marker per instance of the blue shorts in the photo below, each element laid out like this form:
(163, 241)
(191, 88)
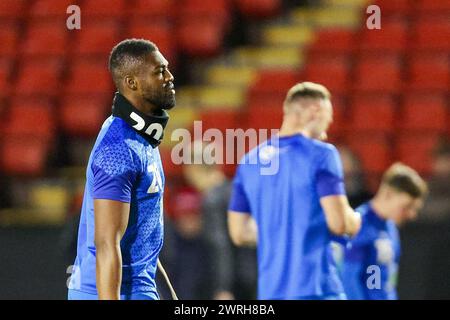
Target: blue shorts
(80, 295)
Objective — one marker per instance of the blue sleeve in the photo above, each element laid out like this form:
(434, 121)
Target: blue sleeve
(238, 201)
(114, 171)
(366, 235)
(330, 175)
(353, 272)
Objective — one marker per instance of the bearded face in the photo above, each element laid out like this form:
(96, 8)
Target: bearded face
(156, 82)
(162, 97)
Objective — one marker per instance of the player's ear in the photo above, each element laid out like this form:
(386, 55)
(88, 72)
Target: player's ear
(130, 82)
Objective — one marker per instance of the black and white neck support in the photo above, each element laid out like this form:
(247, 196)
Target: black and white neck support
(151, 127)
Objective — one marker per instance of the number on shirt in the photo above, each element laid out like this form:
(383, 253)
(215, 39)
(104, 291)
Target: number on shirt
(156, 184)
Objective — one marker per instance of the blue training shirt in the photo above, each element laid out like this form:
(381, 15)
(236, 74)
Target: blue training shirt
(371, 259)
(294, 243)
(124, 167)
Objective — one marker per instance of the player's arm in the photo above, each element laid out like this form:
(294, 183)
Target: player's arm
(340, 217)
(242, 228)
(111, 219)
(115, 172)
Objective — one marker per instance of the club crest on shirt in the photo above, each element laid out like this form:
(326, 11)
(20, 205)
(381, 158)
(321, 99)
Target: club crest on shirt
(385, 250)
(267, 152)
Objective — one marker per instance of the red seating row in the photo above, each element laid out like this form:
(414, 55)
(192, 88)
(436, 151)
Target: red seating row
(377, 153)
(138, 8)
(396, 35)
(376, 73)
(158, 8)
(365, 113)
(409, 7)
(98, 38)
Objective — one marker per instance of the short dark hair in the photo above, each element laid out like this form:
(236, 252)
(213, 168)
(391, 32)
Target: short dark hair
(307, 90)
(127, 55)
(405, 179)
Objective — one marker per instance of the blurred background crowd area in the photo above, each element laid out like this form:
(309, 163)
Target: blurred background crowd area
(233, 62)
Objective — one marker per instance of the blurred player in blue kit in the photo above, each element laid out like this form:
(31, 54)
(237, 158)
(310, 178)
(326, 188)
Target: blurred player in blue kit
(371, 258)
(293, 212)
(121, 228)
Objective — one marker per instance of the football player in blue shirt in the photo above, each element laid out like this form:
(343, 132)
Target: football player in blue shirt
(288, 198)
(370, 262)
(121, 228)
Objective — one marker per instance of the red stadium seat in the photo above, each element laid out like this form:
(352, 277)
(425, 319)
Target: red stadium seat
(259, 9)
(433, 7)
(332, 41)
(158, 32)
(5, 72)
(395, 8)
(373, 150)
(23, 156)
(97, 38)
(334, 73)
(429, 72)
(263, 100)
(89, 78)
(275, 81)
(340, 118)
(83, 116)
(9, 38)
(12, 9)
(432, 34)
(378, 73)
(103, 8)
(46, 38)
(425, 112)
(219, 119)
(50, 8)
(32, 119)
(207, 41)
(171, 169)
(154, 9)
(264, 116)
(392, 37)
(38, 78)
(218, 11)
(373, 113)
(416, 150)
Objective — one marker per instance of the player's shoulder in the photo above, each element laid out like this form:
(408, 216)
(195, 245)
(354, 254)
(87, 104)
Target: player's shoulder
(322, 146)
(121, 135)
(363, 209)
(118, 144)
(253, 156)
(369, 227)
(117, 129)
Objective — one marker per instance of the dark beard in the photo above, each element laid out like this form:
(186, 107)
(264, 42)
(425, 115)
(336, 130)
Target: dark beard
(162, 100)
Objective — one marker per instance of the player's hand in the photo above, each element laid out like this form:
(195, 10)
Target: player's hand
(355, 223)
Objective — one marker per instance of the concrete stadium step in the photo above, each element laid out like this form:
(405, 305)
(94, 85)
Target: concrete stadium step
(288, 34)
(230, 75)
(336, 16)
(268, 57)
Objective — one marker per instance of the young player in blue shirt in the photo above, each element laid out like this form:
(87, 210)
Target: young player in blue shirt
(371, 258)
